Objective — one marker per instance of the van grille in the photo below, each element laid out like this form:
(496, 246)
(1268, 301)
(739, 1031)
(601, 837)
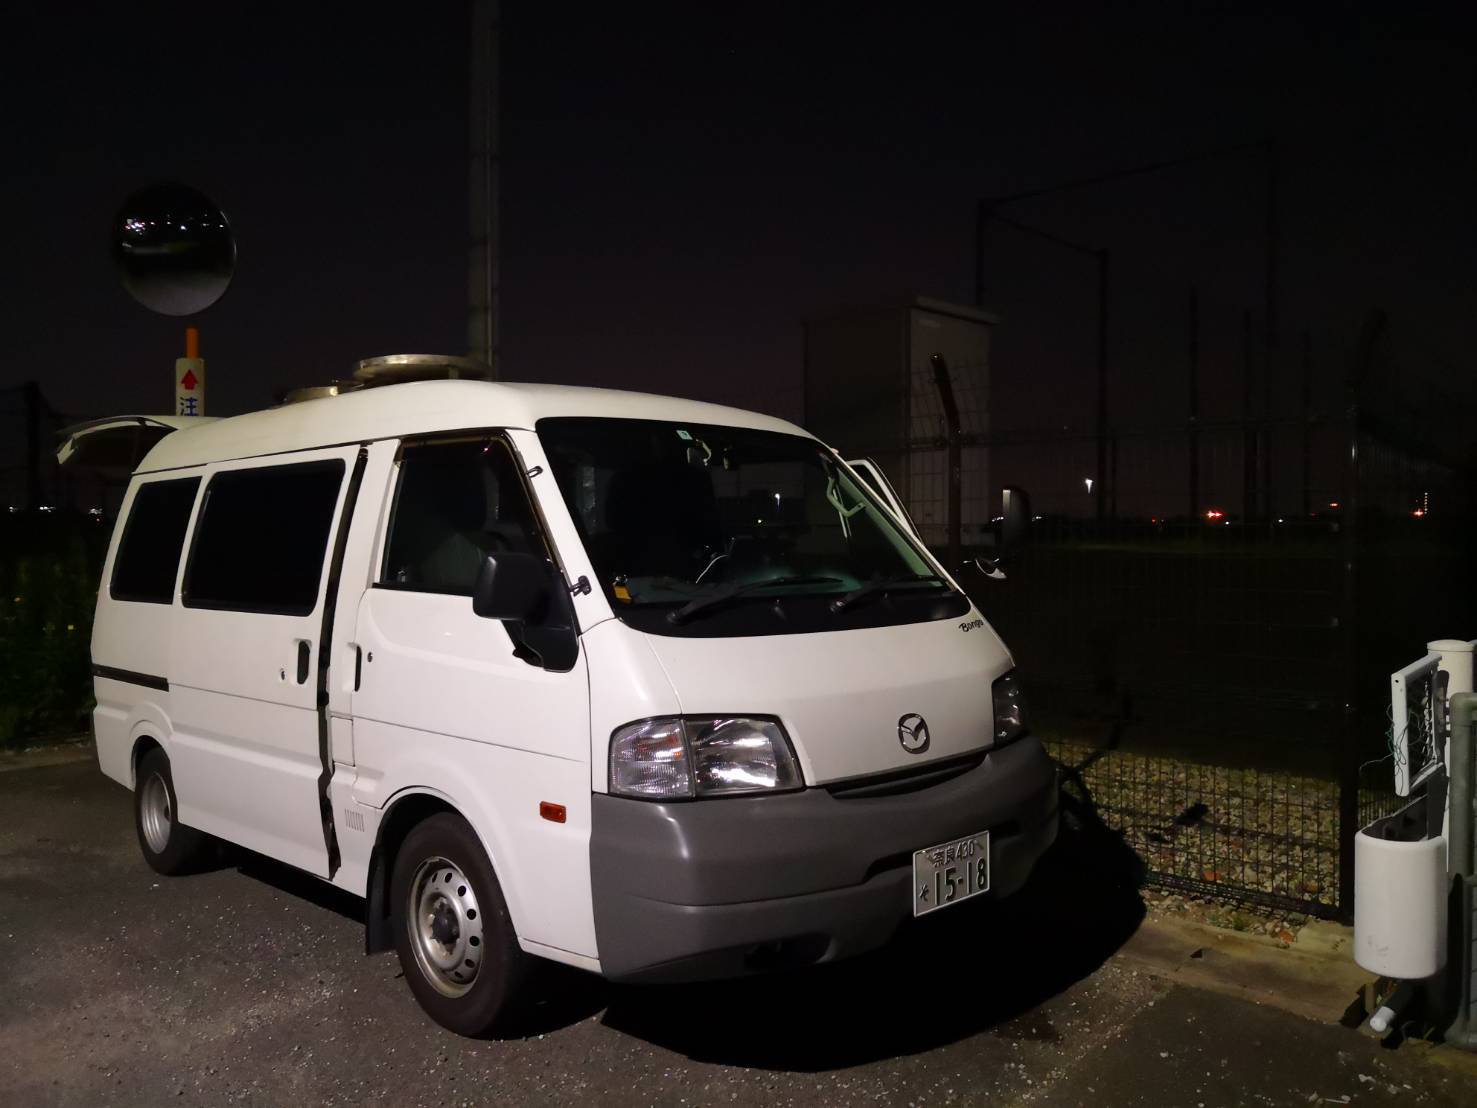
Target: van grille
(906, 780)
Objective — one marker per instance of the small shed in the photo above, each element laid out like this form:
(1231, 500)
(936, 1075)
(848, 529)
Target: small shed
(870, 391)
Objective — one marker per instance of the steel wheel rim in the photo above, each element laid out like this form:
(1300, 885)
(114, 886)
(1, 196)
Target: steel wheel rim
(155, 814)
(445, 924)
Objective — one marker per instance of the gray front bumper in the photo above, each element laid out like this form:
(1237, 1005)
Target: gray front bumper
(718, 888)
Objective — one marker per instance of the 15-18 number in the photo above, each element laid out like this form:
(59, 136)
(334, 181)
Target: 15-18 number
(953, 881)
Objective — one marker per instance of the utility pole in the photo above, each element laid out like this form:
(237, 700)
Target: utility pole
(1248, 431)
(482, 179)
(1307, 424)
(1102, 385)
(1194, 368)
(1269, 309)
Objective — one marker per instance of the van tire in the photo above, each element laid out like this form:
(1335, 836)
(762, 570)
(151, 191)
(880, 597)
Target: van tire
(168, 845)
(446, 904)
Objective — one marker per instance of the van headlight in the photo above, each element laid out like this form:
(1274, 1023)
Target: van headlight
(680, 757)
(1010, 708)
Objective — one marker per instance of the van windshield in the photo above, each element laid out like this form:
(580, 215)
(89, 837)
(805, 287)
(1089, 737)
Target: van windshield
(709, 530)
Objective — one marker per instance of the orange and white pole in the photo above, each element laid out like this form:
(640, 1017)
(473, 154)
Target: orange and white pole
(189, 377)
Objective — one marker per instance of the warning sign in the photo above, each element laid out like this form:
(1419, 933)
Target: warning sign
(189, 386)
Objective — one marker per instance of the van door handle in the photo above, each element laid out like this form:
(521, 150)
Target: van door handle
(303, 653)
(358, 665)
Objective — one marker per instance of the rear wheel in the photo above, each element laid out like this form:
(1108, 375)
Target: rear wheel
(452, 930)
(168, 845)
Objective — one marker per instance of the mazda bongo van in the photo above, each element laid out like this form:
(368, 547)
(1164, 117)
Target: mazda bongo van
(658, 689)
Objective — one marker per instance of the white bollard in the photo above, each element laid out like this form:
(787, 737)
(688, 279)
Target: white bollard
(1399, 899)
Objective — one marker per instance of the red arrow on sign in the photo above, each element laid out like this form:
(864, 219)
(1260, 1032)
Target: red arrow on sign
(188, 381)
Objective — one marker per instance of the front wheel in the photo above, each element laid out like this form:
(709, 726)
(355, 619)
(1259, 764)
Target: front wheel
(169, 846)
(453, 933)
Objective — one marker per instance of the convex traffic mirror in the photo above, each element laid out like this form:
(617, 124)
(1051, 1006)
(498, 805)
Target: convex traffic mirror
(174, 249)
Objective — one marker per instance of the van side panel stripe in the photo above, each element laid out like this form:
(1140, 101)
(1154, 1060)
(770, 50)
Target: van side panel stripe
(147, 680)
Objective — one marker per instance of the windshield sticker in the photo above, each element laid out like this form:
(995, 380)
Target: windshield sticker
(683, 435)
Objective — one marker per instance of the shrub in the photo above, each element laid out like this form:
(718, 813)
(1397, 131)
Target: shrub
(48, 586)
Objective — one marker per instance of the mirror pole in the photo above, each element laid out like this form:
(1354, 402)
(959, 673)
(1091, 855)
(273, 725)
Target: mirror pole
(189, 377)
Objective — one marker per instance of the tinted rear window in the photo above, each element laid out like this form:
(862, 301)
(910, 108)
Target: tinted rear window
(148, 554)
(262, 538)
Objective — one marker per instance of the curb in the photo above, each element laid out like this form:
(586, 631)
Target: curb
(1317, 978)
(39, 757)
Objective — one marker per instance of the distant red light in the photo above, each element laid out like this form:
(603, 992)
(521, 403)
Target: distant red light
(1215, 513)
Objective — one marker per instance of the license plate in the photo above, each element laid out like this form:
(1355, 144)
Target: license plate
(950, 873)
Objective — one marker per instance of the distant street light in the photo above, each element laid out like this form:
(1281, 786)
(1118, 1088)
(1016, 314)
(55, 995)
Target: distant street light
(1089, 485)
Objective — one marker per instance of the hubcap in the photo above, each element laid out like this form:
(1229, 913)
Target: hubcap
(445, 923)
(154, 813)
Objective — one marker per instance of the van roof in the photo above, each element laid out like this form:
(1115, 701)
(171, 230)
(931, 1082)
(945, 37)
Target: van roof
(425, 407)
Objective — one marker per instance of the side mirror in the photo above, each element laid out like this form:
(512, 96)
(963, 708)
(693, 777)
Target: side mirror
(528, 596)
(990, 567)
(511, 586)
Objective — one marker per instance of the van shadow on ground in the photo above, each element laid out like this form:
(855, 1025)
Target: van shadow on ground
(290, 880)
(945, 978)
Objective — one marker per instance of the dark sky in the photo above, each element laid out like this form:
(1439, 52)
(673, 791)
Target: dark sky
(682, 185)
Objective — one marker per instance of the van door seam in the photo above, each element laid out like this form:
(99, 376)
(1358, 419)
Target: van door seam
(325, 654)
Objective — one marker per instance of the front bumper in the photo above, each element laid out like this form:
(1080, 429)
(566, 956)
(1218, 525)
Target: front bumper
(718, 888)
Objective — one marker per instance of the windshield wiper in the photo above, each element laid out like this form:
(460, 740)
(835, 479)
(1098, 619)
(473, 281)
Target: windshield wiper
(880, 585)
(724, 595)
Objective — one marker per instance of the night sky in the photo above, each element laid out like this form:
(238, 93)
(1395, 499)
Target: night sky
(683, 185)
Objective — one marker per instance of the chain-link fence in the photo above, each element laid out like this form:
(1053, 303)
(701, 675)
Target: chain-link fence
(1208, 639)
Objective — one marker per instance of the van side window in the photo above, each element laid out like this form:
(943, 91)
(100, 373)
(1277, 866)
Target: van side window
(148, 552)
(456, 503)
(262, 537)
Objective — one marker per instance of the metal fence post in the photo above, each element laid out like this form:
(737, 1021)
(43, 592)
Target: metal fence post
(32, 394)
(956, 459)
(1461, 860)
(1348, 745)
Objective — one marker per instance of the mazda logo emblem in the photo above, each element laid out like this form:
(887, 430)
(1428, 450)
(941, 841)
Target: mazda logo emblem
(912, 732)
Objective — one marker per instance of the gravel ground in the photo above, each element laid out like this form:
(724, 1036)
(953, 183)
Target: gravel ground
(248, 985)
(1239, 829)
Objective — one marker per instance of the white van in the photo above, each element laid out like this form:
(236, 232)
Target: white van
(654, 688)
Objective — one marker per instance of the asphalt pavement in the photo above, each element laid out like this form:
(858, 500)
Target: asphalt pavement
(248, 984)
